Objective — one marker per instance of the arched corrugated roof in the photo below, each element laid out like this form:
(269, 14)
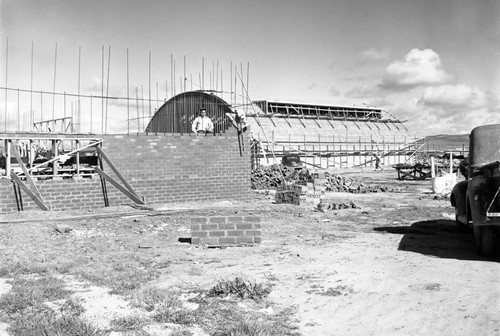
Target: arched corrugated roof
(177, 114)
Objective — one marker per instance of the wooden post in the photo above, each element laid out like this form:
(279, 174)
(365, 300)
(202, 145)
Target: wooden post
(433, 173)
(32, 154)
(7, 157)
(55, 164)
(451, 162)
(328, 157)
(78, 157)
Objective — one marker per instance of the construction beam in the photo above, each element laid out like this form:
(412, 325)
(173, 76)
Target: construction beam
(115, 170)
(35, 198)
(127, 193)
(29, 179)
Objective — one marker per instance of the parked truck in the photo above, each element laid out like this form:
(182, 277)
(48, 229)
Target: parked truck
(476, 199)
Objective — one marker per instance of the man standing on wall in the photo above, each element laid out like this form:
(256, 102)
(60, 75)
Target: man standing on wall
(203, 124)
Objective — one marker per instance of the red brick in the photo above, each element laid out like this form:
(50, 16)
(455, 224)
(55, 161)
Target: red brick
(235, 219)
(199, 234)
(244, 240)
(208, 226)
(252, 219)
(216, 233)
(217, 220)
(200, 220)
(244, 226)
(226, 226)
(235, 233)
(227, 240)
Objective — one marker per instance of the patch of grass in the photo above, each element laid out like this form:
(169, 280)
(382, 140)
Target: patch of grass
(169, 312)
(165, 305)
(120, 278)
(182, 332)
(240, 287)
(41, 320)
(32, 267)
(337, 291)
(73, 307)
(128, 323)
(227, 318)
(27, 293)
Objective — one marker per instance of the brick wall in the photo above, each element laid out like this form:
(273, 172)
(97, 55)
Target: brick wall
(225, 230)
(162, 168)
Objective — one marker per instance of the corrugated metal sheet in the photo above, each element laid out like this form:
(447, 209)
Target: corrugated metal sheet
(178, 113)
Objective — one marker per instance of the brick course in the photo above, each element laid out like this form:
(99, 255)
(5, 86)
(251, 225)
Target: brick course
(163, 168)
(225, 230)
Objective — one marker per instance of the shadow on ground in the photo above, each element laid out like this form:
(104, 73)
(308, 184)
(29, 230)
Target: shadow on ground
(438, 238)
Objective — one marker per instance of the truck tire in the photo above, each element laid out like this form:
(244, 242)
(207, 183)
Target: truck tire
(461, 227)
(484, 240)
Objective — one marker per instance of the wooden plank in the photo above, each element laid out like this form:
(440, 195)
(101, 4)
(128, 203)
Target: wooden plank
(28, 191)
(127, 193)
(29, 179)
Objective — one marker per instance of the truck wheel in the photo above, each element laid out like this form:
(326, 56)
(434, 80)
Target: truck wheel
(484, 240)
(461, 227)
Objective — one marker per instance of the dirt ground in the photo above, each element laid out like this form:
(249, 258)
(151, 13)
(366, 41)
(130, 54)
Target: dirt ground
(394, 266)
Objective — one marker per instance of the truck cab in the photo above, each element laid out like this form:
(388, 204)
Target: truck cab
(477, 200)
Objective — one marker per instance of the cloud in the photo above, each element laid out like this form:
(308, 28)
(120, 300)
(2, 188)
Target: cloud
(419, 68)
(373, 55)
(449, 109)
(454, 97)
(363, 91)
(333, 91)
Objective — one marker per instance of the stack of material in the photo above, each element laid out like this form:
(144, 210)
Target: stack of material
(338, 183)
(301, 194)
(325, 205)
(270, 177)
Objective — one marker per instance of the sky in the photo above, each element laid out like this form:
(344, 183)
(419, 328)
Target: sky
(433, 64)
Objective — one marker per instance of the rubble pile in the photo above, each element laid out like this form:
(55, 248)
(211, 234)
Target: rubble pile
(326, 205)
(339, 183)
(301, 193)
(269, 177)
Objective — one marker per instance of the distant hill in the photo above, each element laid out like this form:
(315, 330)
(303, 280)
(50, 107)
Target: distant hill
(446, 142)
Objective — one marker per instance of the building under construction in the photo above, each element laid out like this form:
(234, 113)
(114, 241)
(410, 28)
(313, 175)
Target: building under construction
(324, 136)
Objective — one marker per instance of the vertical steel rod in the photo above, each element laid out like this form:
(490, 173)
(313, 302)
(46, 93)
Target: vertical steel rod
(54, 87)
(79, 76)
(102, 89)
(90, 113)
(6, 73)
(128, 97)
(149, 87)
(137, 103)
(107, 91)
(31, 119)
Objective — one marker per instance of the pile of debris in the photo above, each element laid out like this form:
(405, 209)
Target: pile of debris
(269, 177)
(301, 193)
(339, 183)
(325, 205)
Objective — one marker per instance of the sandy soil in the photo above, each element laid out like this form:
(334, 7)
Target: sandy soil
(395, 266)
